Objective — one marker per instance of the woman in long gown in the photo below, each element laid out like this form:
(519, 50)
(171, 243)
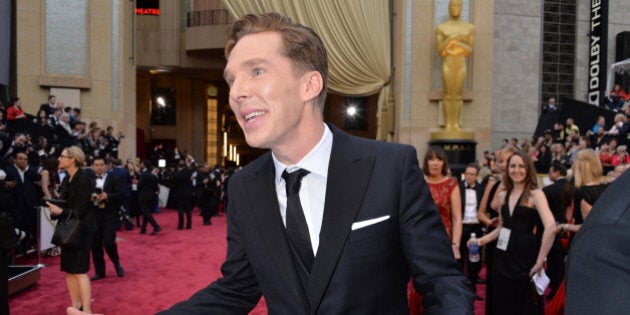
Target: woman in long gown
(445, 192)
(521, 251)
(488, 214)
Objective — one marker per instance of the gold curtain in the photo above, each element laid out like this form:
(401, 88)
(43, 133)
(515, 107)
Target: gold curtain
(357, 36)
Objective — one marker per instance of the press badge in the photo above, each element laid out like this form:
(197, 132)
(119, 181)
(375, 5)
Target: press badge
(504, 239)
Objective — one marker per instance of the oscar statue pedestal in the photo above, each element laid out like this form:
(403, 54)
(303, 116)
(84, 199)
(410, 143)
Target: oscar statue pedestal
(459, 151)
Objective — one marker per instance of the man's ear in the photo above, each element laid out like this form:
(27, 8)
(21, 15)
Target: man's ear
(313, 84)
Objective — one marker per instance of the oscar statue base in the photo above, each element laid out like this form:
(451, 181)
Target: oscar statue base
(459, 153)
(452, 134)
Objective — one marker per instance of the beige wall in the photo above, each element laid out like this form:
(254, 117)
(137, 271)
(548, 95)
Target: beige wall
(414, 49)
(96, 93)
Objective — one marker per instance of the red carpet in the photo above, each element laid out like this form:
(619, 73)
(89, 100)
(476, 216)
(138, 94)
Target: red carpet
(160, 270)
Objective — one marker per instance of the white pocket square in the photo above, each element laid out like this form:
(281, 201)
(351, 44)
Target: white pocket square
(362, 224)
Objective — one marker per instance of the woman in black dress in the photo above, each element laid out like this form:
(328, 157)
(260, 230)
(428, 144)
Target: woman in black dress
(134, 206)
(76, 189)
(521, 251)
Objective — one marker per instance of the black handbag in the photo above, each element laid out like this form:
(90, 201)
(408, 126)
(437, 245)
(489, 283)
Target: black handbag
(68, 231)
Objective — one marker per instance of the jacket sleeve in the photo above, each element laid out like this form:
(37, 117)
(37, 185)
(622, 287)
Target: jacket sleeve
(114, 195)
(84, 189)
(237, 292)
(435, 272)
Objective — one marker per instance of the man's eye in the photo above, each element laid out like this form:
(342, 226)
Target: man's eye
(258, 72)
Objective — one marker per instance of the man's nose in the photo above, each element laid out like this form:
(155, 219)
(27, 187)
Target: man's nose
(240, 89)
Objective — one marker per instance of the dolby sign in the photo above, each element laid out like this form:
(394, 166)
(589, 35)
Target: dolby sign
(598, 43)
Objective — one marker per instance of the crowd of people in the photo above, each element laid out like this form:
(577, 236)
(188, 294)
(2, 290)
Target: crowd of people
(329, 223)
(609, 141)
(53, 157)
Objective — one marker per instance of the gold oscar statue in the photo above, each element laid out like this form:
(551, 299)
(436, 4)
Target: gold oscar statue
(455, 39)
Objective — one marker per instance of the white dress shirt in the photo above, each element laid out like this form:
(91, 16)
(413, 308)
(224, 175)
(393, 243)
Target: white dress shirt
(313, 189)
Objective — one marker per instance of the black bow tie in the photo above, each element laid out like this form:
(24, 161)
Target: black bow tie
(99, 177)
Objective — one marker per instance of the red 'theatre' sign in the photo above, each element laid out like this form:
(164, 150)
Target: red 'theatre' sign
(147, 11)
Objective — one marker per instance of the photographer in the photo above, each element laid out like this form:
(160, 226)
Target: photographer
(113, 141)
(106, 200)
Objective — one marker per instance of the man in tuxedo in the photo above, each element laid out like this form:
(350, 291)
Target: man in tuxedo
(50, 106)
(8, 150)
(553, 193)
(598, 269)
(106, 200)
(148, 189)
(21, 182)
(324, 223)
(183, 192)
(208, 190)
(471, 192)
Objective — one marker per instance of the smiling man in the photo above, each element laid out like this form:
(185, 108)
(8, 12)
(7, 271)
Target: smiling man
(324, 223)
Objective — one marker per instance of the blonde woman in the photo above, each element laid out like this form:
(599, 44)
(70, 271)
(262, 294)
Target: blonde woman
(76, 189)
(589, 184)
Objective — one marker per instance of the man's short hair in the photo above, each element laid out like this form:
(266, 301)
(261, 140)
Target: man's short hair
(559, 167)
(301, 44)
(475, 166)
(51, 97)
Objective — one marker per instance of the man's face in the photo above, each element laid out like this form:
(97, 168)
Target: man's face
(553, 175)
(99, 167)
(266, 95)
(470, 175)
(21, 160)
(20, 141)
(52, 100)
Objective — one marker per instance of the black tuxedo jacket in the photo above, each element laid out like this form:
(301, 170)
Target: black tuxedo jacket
(598, 270)
(182, 183)
(25, 194)
(148, 186)
(113, 189)
(360, 271)
(123, 178)
(553, 193)
(462, 192)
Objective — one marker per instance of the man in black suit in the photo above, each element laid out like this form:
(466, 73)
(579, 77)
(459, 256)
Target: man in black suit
(125, 186)
(148, 189)
(208, 190)
(50, 106)
(21, 182)
(598, 270)
(361, 224)
(553, 193)
(183, 192)
(8, 150)
(471, 192)
(106, 200)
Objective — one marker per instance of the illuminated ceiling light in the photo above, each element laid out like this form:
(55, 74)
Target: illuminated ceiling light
(351, 111)
(161, 102)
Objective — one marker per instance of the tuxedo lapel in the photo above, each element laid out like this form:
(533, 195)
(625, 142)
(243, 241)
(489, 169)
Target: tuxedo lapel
(348, 178)
(260, 186)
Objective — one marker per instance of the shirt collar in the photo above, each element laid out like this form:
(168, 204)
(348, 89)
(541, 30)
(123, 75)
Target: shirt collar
(316, 161)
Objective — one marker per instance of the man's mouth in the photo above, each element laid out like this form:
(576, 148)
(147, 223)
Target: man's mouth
(253, 115)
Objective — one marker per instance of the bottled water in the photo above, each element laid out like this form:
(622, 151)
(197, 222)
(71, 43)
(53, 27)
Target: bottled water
(473, 249)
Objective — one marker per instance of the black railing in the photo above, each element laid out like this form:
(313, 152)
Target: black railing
(208, 17)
